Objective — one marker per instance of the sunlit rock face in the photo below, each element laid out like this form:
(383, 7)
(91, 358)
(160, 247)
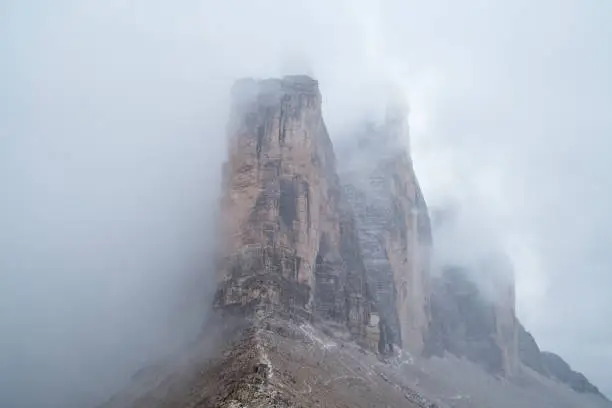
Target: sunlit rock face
(289, 242)
(393, 227)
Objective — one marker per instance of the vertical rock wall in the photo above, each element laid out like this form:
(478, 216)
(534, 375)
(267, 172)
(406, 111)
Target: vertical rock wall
(475, 318)
(288, 242)
(293, 241)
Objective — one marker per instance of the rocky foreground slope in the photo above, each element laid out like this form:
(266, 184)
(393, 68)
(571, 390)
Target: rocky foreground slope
(327, 296)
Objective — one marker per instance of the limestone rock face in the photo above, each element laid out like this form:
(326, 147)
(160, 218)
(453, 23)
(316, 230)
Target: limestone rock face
(467, 323)
(289, 243)
(393, 228)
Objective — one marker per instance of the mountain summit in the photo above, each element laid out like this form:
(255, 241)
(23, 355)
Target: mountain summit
(327, 295)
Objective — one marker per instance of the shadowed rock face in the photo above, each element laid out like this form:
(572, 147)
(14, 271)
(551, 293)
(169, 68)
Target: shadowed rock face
(393, 227)
(288, 237)
(472, 302)
(483, 328)
(468, 324)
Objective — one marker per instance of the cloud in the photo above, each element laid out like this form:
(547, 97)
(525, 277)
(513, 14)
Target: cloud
(112, 118)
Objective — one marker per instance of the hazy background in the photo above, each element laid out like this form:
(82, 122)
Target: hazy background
(112, 118)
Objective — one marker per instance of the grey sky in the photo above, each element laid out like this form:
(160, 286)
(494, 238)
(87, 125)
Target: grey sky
(112, 116)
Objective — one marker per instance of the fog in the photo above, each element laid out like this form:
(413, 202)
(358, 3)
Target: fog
(112, 119)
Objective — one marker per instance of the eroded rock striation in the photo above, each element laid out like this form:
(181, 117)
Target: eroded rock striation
(289, 240)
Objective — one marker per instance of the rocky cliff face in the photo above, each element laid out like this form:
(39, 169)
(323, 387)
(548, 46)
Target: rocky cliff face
(469, 324)
(478, 322)
(473, 300)
(307, 266)
(289, 242)
(393, 228)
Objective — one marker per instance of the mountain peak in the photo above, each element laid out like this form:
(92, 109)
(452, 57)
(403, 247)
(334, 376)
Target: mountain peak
(326, 294)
